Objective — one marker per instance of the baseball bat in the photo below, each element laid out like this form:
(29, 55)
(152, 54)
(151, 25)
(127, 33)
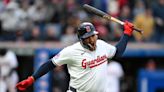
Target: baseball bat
(106, 16)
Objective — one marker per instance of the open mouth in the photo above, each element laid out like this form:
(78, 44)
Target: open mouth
(92, 46)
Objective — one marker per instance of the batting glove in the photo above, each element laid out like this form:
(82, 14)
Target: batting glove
(128, 28)
(25, 83)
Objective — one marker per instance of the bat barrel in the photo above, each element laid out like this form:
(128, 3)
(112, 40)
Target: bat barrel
(94, 10)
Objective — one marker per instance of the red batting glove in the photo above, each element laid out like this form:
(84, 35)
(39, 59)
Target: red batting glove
(128, 28)
(25, 83)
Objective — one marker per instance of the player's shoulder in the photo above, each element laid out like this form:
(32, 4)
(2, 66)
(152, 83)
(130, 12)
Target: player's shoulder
(10, 53)
(103, 43)
(99, 41)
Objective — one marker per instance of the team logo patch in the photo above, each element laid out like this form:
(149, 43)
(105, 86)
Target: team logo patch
(88, 29)
(57, 56)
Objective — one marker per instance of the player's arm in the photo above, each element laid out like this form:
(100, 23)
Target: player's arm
(45, 68)
(58, 60)
(121, 45)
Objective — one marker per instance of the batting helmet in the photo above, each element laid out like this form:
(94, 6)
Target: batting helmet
(85, 30)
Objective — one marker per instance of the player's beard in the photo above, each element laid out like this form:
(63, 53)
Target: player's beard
(92, 46)
(89, 46)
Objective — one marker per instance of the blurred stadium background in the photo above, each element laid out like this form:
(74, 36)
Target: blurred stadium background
(38, 29)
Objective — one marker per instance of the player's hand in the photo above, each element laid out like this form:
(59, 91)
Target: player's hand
(128, 28)
(25, 83)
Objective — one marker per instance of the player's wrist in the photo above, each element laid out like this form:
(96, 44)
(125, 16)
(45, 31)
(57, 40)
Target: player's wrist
(32, 78)
(128, 33)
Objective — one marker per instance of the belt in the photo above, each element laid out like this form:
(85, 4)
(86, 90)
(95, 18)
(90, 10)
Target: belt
(72, 89)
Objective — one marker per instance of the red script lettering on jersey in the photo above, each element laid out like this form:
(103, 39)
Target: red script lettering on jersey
(95, 62)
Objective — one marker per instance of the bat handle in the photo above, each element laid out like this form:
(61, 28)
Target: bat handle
(135, 29)
(138, 30)
(120, 22)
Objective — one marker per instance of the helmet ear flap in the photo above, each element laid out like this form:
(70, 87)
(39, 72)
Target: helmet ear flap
(78, 34)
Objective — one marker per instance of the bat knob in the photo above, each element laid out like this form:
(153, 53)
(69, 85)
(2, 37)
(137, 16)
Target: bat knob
(138, 30)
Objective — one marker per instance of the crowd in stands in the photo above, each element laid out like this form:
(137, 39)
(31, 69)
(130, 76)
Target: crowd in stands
(57, 20)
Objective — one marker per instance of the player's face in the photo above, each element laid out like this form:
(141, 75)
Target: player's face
(91, 41)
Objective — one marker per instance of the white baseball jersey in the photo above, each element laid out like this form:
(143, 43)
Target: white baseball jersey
(115, 72)
(7, 62)
(87, 69)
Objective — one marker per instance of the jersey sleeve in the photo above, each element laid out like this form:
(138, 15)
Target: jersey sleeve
(62, 58)
(111, 50)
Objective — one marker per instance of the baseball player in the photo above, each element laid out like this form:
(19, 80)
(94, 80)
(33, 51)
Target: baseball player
(115, 72)
(8, 74)
(86, 60)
